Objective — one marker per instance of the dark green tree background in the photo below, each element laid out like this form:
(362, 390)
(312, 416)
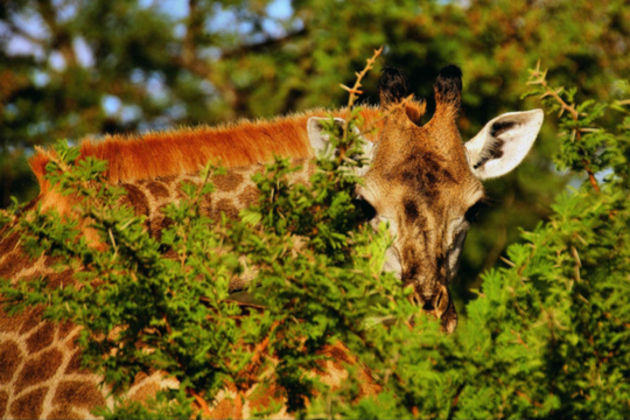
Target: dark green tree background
(76, 68)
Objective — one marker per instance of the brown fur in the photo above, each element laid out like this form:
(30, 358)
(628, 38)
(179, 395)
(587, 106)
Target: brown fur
(419, 178)
(41, 376)
(184, 151)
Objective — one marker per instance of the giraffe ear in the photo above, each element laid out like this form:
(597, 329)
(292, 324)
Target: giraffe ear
(503, 143)
(320, 137)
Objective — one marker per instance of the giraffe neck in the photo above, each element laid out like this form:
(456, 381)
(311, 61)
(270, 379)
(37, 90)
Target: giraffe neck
(234, 191)
(186, 151)
(40, 373)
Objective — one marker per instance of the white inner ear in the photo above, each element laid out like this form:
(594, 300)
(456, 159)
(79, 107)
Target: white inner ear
(317, 136)
(320, 139)
(503, 143)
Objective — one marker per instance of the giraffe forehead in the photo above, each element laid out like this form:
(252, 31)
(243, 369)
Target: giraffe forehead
(423, 173)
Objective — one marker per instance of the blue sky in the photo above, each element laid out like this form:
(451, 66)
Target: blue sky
(278, 11)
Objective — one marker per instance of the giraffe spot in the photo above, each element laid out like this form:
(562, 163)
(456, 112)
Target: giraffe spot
(228, 182)
(9, 243)
(411, 210)
(65, 329)
(64, 413)
(136, 199)
(4, 399)
(10, 359)
(139, 378)
(78, 393)
(15, 260)
(311, 169)
(57, 280)
(224, 206)
(10, 323)
(336, 352)
(168, 253)
(74, 366)
(41, 338)
(205, 205)
(33, 317)
(248, 196)
(14, 263)
(336, 356)
(38, 370)
(157, 189)
(29, 406)
(158, 223)
(179, 193)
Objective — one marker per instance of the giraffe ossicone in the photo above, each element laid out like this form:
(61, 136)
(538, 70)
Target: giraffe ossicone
(422, 180)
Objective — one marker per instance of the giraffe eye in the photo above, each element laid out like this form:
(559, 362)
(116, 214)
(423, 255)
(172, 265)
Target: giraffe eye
(367, 212)
(473, 212)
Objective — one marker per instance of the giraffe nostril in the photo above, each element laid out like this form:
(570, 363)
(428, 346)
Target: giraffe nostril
(439, 299)
(437, 303)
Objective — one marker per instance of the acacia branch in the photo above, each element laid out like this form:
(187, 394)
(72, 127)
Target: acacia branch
(355, 91)
(540, 77)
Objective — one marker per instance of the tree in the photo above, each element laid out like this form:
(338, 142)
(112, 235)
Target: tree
(103, 67)
(547, 337)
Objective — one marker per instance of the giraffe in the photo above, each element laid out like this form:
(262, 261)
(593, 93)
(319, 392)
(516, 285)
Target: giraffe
(423, 181)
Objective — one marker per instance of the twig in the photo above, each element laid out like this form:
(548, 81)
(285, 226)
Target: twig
(111, 237)
(355, 90)
(555, 94)
(201, 402)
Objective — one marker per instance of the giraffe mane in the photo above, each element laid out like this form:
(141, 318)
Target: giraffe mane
(186, 150)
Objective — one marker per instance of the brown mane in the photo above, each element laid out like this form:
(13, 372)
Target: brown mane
(187, 150)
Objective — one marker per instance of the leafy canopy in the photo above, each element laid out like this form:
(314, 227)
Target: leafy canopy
(546, 337)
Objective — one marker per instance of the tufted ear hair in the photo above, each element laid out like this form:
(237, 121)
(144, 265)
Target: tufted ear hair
(393, 86)
(448, 92)
(503, 143)
(320, 139)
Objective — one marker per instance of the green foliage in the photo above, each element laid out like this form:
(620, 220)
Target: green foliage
(97, 67)
(314, 261)
(546, 337)
(80, 68)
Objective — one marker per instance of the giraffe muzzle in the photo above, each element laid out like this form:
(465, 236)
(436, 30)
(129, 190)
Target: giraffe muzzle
(437, 302)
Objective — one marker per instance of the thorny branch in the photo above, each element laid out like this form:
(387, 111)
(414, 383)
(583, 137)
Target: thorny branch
(355, 90)
(539, 78)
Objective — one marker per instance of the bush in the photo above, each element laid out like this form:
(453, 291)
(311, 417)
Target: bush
(547, 337)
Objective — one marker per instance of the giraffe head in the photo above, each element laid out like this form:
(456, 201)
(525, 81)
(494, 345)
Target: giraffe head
(425, 183)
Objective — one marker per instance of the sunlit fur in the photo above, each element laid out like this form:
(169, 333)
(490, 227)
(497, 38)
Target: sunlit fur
(41, 363)
(420, 182)
(186, 150)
